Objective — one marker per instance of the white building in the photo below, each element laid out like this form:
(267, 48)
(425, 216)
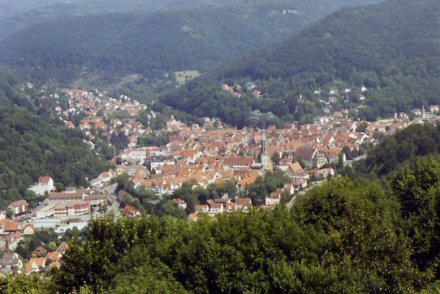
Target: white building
(273, 199)
(137, 155)
(45, 185)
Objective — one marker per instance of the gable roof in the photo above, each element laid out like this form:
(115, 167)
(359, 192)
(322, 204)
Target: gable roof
(39, 262)
(12, 227)
(44, 179)
(18, 203)
(306, 152)
(130, 210)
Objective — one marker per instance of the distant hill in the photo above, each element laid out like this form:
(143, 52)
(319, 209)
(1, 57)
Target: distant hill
(30, 147)
(15, 15)
(154, 43)
(391, 48)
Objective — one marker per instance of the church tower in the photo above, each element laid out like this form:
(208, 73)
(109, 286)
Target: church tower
(265, 158)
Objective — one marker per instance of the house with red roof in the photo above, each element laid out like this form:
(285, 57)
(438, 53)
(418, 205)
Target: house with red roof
(215, 207)
(311, 157)
(44, 185)
(40, 251)
(131, 211)
(243, 204)
(274, 198)
(238, 162)
(35, 265)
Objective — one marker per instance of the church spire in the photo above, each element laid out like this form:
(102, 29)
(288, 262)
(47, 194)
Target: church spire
(265, 158)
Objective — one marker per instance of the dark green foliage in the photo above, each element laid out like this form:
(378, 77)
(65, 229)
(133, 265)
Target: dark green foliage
(391, 48)
(343, 236)
(40, 238)
(263, 186)
(9, 93)
(154, 140)
(119, 140)
(404, 146)
(346, 236)
(63, 42)
(30, 148)
(23, 284)
(417, 188)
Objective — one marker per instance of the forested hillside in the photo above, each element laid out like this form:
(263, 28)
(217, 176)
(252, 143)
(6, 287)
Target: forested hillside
(405, 146)
(347, 236)
(15, 15)
(154, 43)
(30, 147)
(390, 48)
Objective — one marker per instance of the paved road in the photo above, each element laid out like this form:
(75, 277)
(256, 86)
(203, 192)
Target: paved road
(33, 212)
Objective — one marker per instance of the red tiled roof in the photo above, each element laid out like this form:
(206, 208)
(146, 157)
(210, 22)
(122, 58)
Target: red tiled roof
(239, 160)
(244, 200)
(44, 179)
(130, 210)
(65, 195)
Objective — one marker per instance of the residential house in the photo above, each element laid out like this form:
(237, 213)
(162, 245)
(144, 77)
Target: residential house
(44, 185)
(155, 162)
(290, 188)
(28, 230)
(63, 248)
(243, 204)
(202, 208)
(299, 184)
(131, 211)
(3, 223)
(12, 261)
(12, 240)
(215, 207)
(228, 206)
(190, 156)
(18, 207)
(13, 227)
(102, 179)
(325, 173)
(40, 251)
(36, 265)
(54, 258)
(238, 162)
(311, 157)
(134, 155)
(274, 198)
(179, 203)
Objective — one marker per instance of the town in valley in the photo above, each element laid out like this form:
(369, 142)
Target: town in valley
(159, 161)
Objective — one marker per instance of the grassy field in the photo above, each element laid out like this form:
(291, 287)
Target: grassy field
(183, 76)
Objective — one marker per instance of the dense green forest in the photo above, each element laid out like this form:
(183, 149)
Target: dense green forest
(391, 48)
(16, 15)
(347, 236)
(30, 147)
(405, 146)
(154, 43)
